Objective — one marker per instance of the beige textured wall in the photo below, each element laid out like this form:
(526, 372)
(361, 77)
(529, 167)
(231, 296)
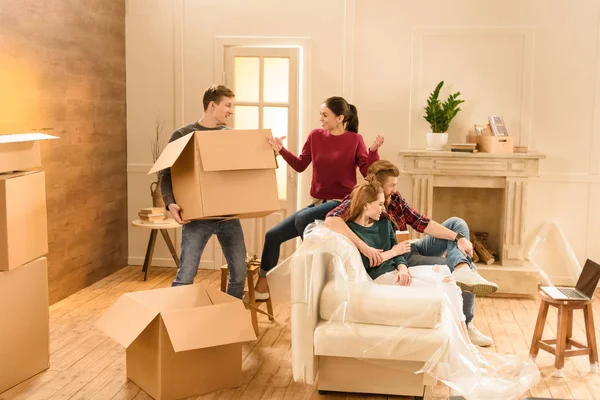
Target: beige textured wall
(535, 62)
(62, 71)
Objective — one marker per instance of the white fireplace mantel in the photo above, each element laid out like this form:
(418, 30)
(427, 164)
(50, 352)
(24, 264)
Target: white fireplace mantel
(471, 164)
(509, 172)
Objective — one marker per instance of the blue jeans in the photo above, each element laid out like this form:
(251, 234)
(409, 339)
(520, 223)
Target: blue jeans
(195, 235)
(291, 227)
(429, 251)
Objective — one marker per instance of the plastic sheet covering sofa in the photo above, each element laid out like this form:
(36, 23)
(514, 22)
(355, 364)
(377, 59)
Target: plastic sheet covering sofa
(350, 334)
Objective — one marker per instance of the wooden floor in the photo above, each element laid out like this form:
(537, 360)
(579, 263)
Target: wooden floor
(85, 364)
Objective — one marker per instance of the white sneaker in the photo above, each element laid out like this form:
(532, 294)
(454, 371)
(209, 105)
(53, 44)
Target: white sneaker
(478, 338)
(470, 281)
(480, 361)
(258, 296)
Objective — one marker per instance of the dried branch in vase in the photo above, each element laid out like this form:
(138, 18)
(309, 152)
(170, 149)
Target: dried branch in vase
(157, 142)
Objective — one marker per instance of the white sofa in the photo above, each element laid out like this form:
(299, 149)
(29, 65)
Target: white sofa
(353, 335)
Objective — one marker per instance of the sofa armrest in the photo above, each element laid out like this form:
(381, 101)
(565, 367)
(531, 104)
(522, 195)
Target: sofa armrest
(309, 273)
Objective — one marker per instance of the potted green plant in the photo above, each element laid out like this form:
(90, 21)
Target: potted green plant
(439, 115)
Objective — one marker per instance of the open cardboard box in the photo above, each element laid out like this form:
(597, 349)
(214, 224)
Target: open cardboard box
(222, 173)
(181, 341)
(24, 323)
(21, 151)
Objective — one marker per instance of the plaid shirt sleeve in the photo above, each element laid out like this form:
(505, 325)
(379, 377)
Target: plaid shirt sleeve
(418, 221)
(401, 214)
(342, 211)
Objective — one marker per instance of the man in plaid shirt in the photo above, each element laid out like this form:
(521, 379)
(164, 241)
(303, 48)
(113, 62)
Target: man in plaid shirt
(450, 237)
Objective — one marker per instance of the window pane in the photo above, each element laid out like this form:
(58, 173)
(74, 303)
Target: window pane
(246, 117)
(276, 118)
(276, 80)
(246, 71)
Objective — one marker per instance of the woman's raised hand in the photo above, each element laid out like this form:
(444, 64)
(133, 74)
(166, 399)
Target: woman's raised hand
(276, 143)
(377, 143)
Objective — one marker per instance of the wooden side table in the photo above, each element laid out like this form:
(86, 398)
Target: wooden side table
(561, 347)
(155, 228)
(253, 265)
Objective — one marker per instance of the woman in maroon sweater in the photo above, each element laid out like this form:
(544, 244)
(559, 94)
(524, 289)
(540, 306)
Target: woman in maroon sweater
(335, 150)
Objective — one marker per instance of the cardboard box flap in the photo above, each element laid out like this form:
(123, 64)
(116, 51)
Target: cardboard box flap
(228, 150)
(16, 174)
(218, 297)
(25, 137)
(171, 298)
(170, 154)
(188, 296)
(126, 319)
(208, 326)
(156, 299)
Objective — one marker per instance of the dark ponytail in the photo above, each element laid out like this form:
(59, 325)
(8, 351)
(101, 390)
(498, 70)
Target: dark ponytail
(339, 106)
(351, 121)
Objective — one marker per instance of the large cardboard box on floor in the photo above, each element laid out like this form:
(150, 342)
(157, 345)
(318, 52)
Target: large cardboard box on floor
(222, 173)
(23, 219)
(21, 151)
(24, 326)
(181, 341)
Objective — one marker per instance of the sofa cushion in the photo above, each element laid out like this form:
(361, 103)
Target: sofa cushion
(339, 339)
(371, 303)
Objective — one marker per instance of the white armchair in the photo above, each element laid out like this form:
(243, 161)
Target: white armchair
(385, 334)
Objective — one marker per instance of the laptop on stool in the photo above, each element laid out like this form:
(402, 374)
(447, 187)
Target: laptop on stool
(584, 290)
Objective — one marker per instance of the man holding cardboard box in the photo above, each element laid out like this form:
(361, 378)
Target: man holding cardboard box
(218, 105)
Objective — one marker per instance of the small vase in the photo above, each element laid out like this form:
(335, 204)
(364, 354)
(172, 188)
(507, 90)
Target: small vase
(157, 200)
(436, 141)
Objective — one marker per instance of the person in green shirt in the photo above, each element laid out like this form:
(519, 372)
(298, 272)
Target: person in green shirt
(365, 221)
(366, 207)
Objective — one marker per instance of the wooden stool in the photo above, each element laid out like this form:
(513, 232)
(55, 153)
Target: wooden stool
(253, 265)
(564, 342)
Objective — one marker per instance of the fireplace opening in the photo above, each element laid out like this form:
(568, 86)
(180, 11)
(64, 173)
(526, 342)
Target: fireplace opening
(481, 208)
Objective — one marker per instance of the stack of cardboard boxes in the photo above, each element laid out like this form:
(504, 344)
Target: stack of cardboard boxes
(24, 327)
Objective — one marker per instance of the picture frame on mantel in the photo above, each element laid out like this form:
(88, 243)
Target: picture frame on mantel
(497, 126)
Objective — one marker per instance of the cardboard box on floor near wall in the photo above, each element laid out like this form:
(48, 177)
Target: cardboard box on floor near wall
(223, 173)
(24, 326)
(23, 219)
(181, 341)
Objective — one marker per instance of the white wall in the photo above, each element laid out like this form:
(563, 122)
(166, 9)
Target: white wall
(535, 62)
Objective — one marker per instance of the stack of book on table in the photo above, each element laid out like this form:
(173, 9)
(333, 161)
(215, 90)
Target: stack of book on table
(152, 215)
(465, 147)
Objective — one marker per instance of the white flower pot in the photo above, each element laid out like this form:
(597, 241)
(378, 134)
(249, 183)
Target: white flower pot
(436, 141)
